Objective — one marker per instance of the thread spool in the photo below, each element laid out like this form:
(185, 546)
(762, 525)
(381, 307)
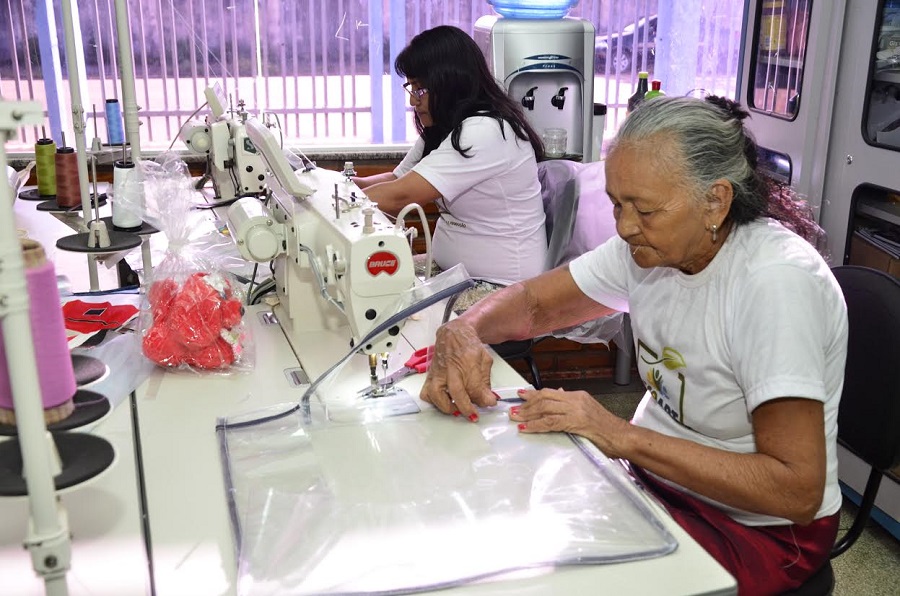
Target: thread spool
(114, 122)
(68, 188)
(51, 351)
(45, 158)
(127, 198)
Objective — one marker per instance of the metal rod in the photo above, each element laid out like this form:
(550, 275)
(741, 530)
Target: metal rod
(78, 125)
(126, 69)
(48, 533)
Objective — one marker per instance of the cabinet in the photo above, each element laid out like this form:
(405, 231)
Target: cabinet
(875, 230)
(861, 211)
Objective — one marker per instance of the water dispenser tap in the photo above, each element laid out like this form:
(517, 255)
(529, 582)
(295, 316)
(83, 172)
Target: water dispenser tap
(558, 100)
(528, 100)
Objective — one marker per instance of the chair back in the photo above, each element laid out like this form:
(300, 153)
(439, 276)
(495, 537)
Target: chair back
(869, 413)
(579, 214)
(579, 219)
(560, 194)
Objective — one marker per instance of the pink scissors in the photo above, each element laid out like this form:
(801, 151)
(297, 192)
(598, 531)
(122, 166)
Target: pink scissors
(417, 364)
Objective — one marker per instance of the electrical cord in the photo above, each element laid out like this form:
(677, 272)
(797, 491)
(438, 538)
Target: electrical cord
(252, 281)
(180, 128)
(261, 290)
(122, 290)
(425, 227)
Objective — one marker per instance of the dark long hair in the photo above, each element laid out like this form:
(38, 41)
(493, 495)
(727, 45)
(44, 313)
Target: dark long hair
(447, 62)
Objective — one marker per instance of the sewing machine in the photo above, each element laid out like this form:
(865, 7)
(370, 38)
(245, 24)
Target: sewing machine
(232, 161)
(341, 266)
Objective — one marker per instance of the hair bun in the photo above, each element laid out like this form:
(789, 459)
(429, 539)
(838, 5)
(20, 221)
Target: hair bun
(729, 106)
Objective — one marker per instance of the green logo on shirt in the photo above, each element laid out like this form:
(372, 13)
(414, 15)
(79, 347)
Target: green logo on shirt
(672, 360)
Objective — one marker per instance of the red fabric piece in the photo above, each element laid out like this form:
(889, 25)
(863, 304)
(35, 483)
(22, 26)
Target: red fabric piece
(161, 348)
(189, 323)
(232, 311)
(194, 317)
(161, 296)
(215, 355)
(763, 559)
(88, 317)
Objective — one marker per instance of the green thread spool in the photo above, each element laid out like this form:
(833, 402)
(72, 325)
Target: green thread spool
(45, 156)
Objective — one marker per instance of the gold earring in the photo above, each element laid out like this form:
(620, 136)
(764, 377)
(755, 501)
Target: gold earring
(715, 232)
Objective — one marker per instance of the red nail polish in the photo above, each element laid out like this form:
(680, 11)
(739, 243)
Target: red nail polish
(473, 417)
(496, 396)
(522, 426)
(514, 410)
(520, 391)
(457, 413)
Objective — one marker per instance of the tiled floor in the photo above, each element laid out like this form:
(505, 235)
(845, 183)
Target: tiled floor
(870, 568)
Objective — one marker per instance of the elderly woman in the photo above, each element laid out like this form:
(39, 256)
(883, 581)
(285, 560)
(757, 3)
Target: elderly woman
(740, 331)
(475, 157)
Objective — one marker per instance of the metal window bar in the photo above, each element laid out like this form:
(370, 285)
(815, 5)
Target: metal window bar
(317, 65)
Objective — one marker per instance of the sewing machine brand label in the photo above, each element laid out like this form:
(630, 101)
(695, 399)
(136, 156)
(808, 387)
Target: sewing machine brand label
(382, 262)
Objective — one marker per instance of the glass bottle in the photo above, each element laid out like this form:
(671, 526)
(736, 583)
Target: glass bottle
(655, 90)
(642, 89)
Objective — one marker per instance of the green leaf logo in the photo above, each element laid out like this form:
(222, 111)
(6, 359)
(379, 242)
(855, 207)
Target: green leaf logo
(672, 359)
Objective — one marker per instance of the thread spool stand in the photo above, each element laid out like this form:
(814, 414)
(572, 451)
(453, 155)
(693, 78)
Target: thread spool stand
(90, 406)
(101, 238)
(67, 404)
(48, 533)
(93, 242)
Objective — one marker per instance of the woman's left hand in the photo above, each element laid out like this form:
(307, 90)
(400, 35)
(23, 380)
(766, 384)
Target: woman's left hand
(575, 412)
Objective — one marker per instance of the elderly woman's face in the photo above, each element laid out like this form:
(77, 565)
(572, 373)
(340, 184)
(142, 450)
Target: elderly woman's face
(664, 224)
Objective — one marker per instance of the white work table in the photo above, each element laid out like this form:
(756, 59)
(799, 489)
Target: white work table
(108, 554)
(191, 535)
(187, 515)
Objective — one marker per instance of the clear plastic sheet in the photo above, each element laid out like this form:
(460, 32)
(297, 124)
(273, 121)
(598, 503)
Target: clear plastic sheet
(336, 497)
(322, 506)
(128, 370)
(597, 331)
(18, 179)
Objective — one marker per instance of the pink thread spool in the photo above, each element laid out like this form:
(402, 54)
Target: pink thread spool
(51, 350)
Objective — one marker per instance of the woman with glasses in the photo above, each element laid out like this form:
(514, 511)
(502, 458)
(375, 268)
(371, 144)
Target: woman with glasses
(475, 157)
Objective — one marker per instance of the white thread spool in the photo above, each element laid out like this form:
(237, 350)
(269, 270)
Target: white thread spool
(127, 199)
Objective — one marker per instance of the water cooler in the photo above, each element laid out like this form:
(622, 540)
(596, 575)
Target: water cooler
(548, 66)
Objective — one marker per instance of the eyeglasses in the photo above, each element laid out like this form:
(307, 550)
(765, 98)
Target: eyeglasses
(416, 94)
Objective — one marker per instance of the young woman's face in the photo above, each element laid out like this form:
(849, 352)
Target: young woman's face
(662, 222)
(418, 99)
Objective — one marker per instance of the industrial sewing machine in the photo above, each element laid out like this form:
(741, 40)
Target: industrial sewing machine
(340, 264)
(232, 161)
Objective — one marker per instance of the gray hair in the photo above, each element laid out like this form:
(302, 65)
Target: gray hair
(711, 144)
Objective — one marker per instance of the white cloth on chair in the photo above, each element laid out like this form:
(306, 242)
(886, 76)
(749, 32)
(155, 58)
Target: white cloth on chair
(579, 218)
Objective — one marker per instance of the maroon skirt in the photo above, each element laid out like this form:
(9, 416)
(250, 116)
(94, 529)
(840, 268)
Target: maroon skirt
(763, 559)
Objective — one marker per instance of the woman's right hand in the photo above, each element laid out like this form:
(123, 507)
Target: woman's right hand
(459, 378)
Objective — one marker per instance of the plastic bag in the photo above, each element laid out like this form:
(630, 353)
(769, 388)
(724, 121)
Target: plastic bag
(192, 314)
(18, 179)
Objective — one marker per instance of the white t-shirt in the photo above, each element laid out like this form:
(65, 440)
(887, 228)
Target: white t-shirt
(492, 214)
(766, 319)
